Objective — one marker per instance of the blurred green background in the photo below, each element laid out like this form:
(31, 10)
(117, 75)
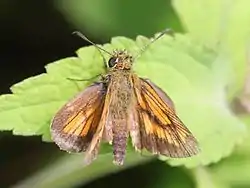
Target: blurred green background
(34, 33)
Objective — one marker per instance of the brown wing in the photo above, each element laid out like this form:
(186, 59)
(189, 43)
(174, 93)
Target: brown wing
(76, 123)
(158, 128)
(93, 148)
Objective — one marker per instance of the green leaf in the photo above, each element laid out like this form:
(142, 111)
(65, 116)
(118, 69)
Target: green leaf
(68, 171)
(222, 25)
(234, 170)
(173, 64)
(29, 110)
(204, 179)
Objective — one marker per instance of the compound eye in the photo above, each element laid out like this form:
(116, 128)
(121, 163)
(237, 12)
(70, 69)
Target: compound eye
(112, 62)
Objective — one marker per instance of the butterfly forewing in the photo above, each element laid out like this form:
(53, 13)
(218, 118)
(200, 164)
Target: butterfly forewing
(160, 129)
(74, 126)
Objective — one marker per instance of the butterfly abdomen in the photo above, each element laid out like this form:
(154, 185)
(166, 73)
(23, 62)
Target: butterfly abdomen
(120, 135)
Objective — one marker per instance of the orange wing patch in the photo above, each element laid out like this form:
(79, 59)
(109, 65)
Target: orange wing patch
(74, 126)
(80, 123)
(93, 148)
(161, 131)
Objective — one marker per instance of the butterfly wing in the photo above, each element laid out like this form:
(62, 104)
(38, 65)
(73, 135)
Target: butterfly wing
(156, 127)
(76, 123)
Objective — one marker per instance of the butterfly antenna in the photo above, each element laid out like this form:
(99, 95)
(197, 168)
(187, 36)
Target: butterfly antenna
(143, 49)
(79, 34)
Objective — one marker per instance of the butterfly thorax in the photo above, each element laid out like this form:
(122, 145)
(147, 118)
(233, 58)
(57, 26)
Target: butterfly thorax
(120, 88)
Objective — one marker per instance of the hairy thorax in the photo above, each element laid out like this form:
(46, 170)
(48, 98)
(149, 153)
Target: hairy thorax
(121, 94)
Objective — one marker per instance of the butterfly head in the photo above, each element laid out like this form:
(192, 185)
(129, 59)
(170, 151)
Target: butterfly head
(120, 60)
